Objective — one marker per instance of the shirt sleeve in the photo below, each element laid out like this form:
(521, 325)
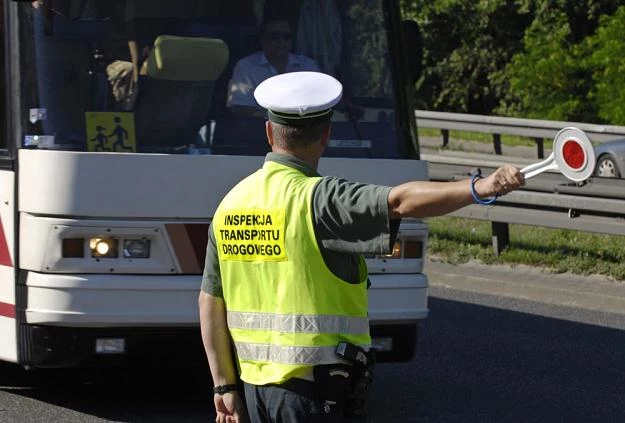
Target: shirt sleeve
(353, 217)
(241, 87)
(211, 280)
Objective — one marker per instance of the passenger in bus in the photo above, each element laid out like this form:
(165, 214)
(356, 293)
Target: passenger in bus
(276, 39)
(285, 281)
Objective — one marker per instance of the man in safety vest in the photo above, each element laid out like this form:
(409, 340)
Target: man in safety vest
(284, 280)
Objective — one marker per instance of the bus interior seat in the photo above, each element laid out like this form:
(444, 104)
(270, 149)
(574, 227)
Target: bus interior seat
(175, 92)
(234, 22)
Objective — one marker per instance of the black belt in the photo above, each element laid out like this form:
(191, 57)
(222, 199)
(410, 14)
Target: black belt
(306, 388)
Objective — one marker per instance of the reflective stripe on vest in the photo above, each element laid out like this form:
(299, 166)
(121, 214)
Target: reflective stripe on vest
(298, 323)
(286, 354)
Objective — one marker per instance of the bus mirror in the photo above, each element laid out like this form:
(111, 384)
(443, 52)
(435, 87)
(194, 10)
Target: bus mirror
(187, 58)
(414, 47)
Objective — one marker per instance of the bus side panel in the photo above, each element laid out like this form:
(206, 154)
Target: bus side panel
(8, 310)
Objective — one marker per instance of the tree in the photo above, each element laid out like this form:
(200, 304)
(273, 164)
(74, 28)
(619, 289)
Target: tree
(550, 78)
(528, 58)
(466, 46)
(606, 51)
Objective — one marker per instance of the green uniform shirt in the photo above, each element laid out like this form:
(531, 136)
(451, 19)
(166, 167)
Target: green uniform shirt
(350, 219)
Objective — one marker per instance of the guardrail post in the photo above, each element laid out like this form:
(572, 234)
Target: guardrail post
(497, 143)
(445, 135)
(501, 237)
(540, 147)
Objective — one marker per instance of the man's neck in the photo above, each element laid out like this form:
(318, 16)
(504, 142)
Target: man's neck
(279, 63)
(310, 158)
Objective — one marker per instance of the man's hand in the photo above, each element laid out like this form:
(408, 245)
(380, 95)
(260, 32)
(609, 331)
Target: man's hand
(505, 179)
(230, 408)
(217, 343)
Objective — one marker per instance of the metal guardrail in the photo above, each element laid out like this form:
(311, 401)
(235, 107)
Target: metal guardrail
(532, 128)
(548, 200)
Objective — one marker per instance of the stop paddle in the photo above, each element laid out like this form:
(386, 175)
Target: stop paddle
(573, 155)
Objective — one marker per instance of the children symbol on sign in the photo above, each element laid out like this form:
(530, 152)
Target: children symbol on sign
(121, 134)
(101, 139)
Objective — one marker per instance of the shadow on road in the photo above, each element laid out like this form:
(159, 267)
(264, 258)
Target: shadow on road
(121, 394)
(484, 364)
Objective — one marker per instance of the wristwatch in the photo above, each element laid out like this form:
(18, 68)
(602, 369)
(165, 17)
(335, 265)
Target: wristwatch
(224, 389)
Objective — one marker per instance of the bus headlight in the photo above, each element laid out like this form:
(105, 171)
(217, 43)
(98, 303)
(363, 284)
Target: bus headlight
(404, 249)
(396, 253)
(103, 247)
(137, 248)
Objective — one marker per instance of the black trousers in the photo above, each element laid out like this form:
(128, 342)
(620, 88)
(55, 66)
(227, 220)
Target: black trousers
(296, 400)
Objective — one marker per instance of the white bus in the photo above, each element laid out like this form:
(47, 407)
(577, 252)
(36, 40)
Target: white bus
(118, 142)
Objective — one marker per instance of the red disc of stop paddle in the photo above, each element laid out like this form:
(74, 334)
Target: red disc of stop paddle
(573, 154)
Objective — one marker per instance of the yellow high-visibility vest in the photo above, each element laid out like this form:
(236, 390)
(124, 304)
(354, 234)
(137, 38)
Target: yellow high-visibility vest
(286, 310)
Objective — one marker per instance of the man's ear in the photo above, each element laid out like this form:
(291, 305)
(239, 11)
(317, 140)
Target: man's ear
(269, 132)
(325, 137)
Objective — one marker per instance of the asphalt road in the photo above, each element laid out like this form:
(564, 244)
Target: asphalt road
(481, 358)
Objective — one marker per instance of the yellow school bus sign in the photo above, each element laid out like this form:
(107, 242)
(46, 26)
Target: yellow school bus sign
(111, 131)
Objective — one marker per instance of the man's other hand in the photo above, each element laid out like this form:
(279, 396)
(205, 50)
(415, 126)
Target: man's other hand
(230, 408)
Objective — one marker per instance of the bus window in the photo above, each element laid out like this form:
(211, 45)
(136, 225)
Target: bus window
(90, 73)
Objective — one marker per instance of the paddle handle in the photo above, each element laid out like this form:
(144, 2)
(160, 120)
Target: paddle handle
(534, 169)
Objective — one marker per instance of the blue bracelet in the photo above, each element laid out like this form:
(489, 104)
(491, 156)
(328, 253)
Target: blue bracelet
(476, 197)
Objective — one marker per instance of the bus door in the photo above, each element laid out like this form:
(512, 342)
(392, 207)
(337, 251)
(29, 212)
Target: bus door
(8, 295)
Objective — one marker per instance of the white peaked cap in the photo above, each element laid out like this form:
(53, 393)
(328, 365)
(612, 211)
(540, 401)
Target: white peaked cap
(299, 95)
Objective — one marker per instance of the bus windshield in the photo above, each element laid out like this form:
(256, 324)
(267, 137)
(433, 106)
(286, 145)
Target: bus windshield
(162, 76)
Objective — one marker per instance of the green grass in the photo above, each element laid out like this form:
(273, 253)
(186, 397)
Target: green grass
(457, 240)
(510, 140)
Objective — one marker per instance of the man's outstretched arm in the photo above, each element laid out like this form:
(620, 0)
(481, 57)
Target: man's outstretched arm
(421, 199)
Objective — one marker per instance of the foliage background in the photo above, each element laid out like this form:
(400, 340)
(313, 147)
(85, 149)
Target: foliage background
(542, 59)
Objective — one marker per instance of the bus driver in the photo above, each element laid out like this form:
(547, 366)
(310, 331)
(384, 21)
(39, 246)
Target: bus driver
(276, 39)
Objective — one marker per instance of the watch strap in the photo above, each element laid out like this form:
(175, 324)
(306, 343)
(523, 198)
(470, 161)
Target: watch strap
(224, 389)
